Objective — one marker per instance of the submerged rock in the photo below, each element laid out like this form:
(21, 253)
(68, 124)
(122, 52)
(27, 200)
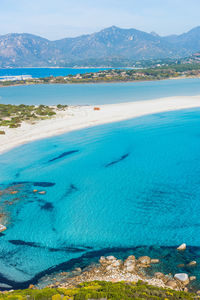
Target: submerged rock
(42, 192)
(182, 277)
(182, 247)
(181, 266)
(192, 278)
(14, 192)
(155, 261)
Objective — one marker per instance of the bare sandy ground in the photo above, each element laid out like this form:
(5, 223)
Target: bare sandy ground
(77, 117)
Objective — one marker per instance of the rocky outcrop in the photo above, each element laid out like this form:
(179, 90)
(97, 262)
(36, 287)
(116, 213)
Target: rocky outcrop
(131, 269)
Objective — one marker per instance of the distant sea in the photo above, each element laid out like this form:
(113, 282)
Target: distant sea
(96, 94)
(46, 72)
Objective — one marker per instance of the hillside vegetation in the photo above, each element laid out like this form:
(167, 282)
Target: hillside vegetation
(100, 290)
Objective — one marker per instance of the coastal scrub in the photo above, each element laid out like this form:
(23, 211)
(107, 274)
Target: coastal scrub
(100, 290)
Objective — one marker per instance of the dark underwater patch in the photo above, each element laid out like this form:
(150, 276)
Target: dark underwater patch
(23, 243)
(47, 206)
(117, 161)
(37, 183)
(44, 184)
(37, 245)
(66, 249)
(72, 188)
(63, 155)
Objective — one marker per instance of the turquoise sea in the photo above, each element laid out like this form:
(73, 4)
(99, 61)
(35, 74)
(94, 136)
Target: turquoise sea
(47, 72)
(121, 188)
(76, 94)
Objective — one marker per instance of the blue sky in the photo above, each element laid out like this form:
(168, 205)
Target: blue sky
(55, 19)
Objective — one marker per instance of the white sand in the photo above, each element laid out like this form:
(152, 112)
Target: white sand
(77, 117)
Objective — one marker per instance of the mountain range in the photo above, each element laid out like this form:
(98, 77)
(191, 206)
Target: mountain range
(105, 47)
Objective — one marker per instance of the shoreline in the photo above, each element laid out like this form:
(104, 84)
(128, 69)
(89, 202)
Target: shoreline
(97, 82)
(80, 117)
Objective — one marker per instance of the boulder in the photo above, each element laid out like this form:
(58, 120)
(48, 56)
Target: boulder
(130, 261)
(77, 269)
(102, 260)
(159, 275)
(182, 277)
(131, 257)
(172, 284)
(144, 261)
(129, 265)
(182, 247)
(109, 268)
(155, 261)
(110, 258)
(192, 263)
(117, 263)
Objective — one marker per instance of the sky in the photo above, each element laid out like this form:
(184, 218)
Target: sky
(56, 19)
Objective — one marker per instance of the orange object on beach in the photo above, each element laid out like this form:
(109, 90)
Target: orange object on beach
(96, 108)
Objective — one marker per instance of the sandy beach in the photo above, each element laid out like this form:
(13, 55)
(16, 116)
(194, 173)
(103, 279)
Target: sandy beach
(78, 117)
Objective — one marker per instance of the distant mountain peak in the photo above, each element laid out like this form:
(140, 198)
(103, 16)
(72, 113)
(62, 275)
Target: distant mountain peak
(154, 33)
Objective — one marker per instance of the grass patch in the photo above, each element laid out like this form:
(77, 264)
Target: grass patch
(13, 115)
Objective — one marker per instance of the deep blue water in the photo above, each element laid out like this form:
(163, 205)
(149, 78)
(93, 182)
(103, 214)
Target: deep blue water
(47, 72)
(76, 94)
(108, 189)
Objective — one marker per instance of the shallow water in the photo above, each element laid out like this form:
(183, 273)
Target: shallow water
(108, 93)
(112, 187)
